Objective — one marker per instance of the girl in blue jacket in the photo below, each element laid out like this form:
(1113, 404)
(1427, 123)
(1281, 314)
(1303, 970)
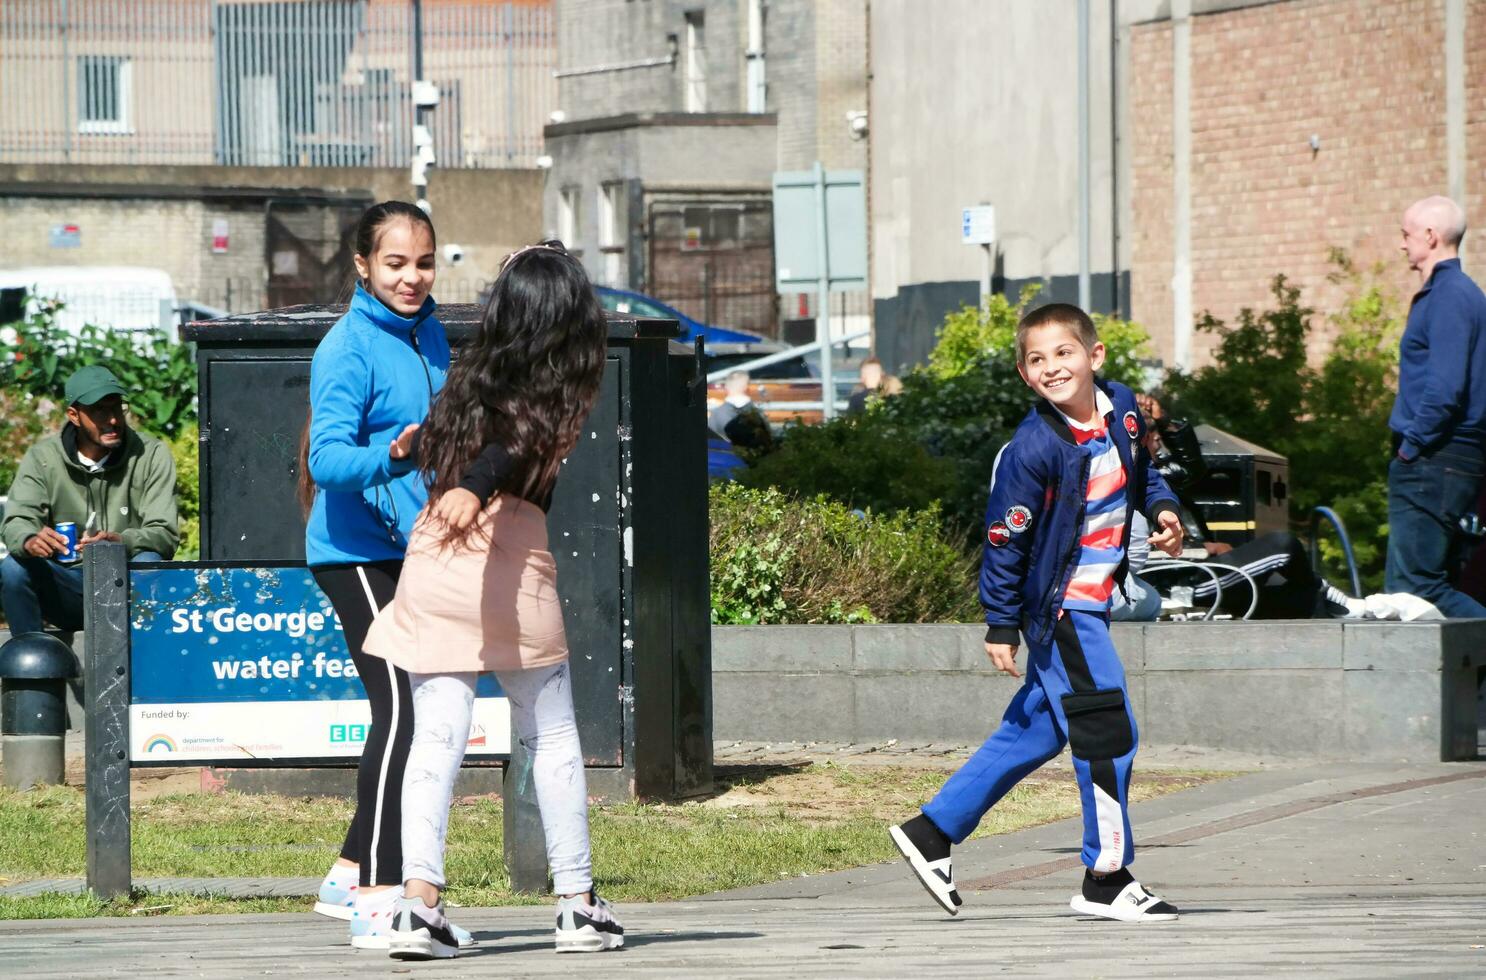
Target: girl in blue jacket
(372, 380)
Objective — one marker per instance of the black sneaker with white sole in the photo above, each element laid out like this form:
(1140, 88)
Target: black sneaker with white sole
(926, 849)
(421, 933)
(587, 928)
(1119, 896)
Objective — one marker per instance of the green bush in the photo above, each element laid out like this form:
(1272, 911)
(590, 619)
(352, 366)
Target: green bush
(183, 449)
(24, 419)
(1331, 421)
(861, 461)
(159, 373)
(938, 439)
(965, 403)
(778, 559)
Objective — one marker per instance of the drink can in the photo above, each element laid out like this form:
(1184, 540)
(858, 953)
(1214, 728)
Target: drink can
(68, 530)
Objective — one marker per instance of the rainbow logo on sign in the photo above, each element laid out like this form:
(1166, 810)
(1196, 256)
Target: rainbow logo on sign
(159, 742)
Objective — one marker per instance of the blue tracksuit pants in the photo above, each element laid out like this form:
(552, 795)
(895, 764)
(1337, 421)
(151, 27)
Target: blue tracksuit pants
(1074, 693)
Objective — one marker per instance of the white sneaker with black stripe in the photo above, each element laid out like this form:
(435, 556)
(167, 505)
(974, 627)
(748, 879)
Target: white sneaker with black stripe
(421, 933)
(927, 851)
(587, 928)
(1120, 897)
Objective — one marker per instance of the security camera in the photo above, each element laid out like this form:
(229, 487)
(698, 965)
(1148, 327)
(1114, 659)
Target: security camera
(453, 254)
(544, 162)
(856, 124)
(557, 116)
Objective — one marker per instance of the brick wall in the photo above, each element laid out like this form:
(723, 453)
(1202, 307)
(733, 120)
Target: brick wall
(1475, 138)
(175, 236)
(1150, 185)
(841, 73)
(1366, 78)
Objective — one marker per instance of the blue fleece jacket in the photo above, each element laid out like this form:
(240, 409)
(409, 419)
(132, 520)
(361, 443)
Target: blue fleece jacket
(374, 373)
(1442, 365)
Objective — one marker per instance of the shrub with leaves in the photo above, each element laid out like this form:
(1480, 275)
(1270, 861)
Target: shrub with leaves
(862, 461)
(37, 357)
(778, 559)
(24, 419)
(1331, 422)
(183, 449)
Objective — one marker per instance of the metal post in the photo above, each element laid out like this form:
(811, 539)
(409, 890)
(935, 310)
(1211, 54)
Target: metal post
(420, 112)
(1084, 205)
(521, 822)
(823, 296)
(510, 18)
(987, 266)
(106, 626)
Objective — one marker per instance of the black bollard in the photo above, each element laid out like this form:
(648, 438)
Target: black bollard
(34, 670)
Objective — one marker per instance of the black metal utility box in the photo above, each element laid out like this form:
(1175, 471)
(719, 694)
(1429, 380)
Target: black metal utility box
(628, 524)
(1246, 490)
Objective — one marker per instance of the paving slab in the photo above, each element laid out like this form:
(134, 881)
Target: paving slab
(1332, 872)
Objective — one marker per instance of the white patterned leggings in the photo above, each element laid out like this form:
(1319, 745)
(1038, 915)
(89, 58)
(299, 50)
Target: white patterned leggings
(542, 711)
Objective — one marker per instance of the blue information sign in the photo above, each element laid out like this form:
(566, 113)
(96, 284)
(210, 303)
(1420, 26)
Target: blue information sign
(251, 663)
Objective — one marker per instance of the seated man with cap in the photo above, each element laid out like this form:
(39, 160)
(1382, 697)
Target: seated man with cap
(97, 473)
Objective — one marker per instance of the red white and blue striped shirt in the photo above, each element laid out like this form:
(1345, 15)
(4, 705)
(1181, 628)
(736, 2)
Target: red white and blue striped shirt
(1101, 544)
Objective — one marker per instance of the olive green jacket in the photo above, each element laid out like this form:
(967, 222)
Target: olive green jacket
(133, 495)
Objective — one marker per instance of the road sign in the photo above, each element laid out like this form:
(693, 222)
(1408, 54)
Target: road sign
(797, 230)
(978, 225)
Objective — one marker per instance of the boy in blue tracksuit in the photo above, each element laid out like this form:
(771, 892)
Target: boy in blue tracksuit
(1062, 494)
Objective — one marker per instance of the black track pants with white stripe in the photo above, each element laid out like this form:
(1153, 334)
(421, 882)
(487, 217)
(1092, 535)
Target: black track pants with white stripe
(374, 839)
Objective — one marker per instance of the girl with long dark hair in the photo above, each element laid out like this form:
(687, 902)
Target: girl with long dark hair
(479, 590)
(371, 382)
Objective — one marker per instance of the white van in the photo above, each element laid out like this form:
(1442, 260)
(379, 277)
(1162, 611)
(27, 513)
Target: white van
(122, 298)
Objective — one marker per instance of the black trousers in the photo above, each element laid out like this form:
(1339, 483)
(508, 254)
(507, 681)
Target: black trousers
(374, 840)
(1280, 564)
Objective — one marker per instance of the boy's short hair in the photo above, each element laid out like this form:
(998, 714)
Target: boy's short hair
(1060, 314)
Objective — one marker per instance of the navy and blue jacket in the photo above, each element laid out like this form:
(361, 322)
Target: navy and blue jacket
(1036, 514)
(1442, 365)
(374, 374)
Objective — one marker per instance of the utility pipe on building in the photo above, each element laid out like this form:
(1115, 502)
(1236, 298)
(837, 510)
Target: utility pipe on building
(758, 89)
(1084, 197)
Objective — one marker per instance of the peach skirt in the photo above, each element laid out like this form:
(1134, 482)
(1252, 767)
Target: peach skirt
(490, 604)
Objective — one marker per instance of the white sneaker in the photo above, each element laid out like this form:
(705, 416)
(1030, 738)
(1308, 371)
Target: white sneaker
(421, 933)
(371, 919)
(337, 896)
(585, 928)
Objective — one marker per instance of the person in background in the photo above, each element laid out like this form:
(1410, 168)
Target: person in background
(875, 383)
(115, 484)
(735, 402)
(1439, 416)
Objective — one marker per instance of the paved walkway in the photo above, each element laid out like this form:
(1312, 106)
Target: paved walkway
(1335, 872)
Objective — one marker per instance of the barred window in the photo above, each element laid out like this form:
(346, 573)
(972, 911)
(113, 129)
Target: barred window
(103, 94)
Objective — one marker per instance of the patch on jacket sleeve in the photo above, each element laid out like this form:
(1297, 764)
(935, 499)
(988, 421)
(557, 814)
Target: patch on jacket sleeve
(1132, 425)
(998, 534)
(1018, 518)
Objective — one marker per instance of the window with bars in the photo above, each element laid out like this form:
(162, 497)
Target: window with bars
(104, 93)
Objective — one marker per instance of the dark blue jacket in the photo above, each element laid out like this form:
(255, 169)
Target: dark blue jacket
(1036, 514)
(1442, 365)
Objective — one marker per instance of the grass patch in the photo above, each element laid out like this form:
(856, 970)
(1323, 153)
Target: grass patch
(765, 824)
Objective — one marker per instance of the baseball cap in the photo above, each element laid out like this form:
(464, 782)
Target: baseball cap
(92, 384)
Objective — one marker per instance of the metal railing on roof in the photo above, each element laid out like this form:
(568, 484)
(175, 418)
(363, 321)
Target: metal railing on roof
(283, 83)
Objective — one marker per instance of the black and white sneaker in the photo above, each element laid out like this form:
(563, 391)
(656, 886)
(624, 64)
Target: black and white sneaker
(421, 933)
(1119, 896)
(927, 851)
(585, 928)
(1338, 605)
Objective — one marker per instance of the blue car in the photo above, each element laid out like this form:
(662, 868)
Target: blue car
(638, 304)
